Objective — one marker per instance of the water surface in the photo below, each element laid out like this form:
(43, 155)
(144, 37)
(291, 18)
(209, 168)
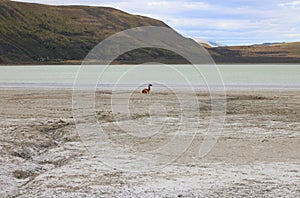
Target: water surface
(233, 76)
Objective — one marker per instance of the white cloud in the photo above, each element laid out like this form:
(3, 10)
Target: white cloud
(293, 4)
(218, 24)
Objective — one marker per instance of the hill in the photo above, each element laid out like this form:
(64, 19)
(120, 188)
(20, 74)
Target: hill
(43, 34)
(273, 53)
(35, 33)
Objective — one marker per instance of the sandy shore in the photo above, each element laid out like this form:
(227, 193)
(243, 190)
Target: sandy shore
(42, 155)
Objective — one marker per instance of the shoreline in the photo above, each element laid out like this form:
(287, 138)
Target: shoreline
(130, 87)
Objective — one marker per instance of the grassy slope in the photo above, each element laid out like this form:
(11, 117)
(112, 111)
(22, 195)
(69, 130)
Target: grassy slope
(34, 33)
(277, 53)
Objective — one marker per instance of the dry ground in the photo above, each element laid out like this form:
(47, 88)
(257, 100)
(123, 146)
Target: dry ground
(42, 155)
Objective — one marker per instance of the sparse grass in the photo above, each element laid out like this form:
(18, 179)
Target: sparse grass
(32, 33)
(35, 34)
(277, 53)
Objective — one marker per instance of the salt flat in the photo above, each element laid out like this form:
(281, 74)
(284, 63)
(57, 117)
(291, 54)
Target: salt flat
(257, 154)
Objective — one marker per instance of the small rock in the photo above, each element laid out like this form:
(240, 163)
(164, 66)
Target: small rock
(20, 174)
(61, 121)
(25, 154)
(46, 144)
(67, 139)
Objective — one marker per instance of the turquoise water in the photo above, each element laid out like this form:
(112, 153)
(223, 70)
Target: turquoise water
(242, 76)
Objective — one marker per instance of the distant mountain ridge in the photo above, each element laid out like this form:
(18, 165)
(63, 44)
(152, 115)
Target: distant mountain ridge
(207, 43)
(267, 44)
(268, 53)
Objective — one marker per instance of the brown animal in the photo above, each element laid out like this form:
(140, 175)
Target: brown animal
(147, 90)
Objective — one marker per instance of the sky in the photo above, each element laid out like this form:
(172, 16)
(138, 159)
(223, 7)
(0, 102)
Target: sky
(230, 22)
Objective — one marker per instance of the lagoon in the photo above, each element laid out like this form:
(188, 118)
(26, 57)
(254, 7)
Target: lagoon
(268, 76)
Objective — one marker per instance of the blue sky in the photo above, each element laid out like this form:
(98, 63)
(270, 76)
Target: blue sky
(231, 22)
